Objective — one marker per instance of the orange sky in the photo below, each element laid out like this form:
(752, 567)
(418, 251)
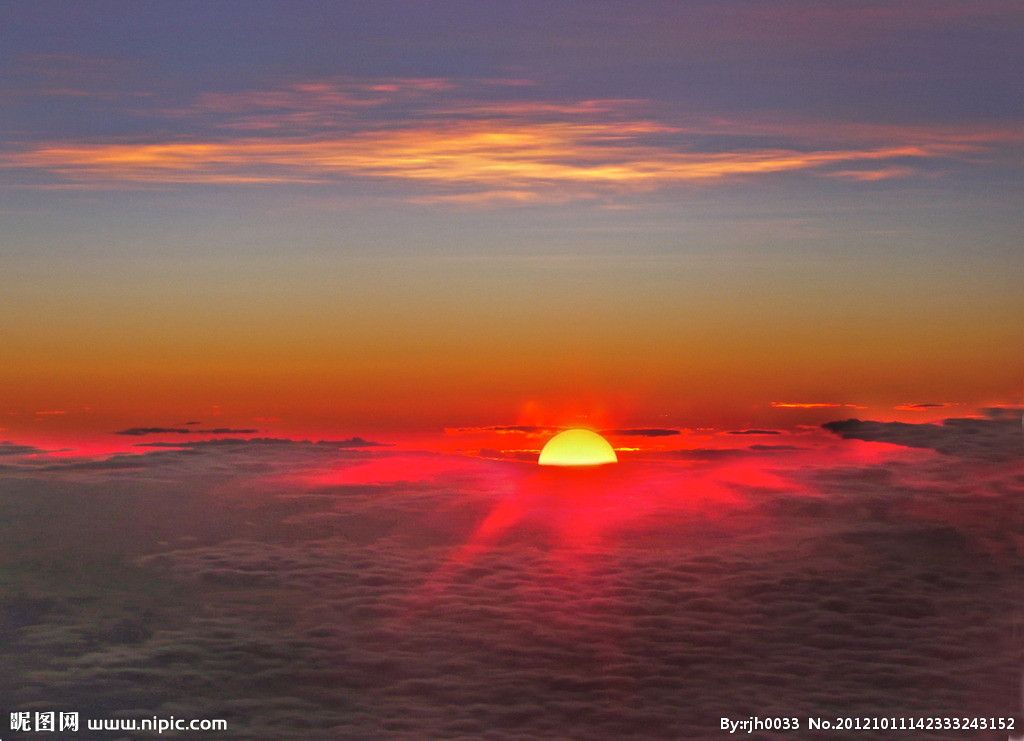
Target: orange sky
(427, 344)
(695, 217)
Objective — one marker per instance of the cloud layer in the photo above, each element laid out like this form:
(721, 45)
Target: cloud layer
(998, 437)
(287, 587)
(463, 140)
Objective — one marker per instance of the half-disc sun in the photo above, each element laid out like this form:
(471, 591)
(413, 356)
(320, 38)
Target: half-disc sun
(577, 447)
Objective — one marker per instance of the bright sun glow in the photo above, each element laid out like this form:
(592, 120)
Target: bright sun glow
(577, 448)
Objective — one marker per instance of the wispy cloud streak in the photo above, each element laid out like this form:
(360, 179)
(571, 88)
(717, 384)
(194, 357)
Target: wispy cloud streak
(457, 143)
(508, 157)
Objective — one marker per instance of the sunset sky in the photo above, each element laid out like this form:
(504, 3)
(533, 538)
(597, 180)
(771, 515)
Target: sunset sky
(399, 216)
(512, 370)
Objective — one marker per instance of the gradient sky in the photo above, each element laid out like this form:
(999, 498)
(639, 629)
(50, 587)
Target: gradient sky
(391, 215)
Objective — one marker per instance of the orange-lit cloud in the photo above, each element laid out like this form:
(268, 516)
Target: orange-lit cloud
(333, 104)
(463, 142)
(306, 104)
(490, 160)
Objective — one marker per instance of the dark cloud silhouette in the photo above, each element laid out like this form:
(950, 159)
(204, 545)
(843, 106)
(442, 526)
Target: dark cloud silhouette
(716, 454)
(352, 442)
(923, 406)
(705, 454)
(8, 448)
(754, 432)
(998, 436)
(642, 432)
(516, 455)
(1009, 412)
(141, 431)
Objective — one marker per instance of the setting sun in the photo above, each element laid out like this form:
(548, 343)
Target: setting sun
(577, 447)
